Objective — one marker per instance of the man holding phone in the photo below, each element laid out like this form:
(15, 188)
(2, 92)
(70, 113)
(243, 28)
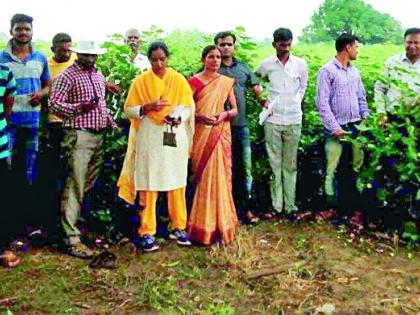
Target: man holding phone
(78, 97)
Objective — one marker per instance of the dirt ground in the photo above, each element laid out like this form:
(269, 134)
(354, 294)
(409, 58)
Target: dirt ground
(273, 268)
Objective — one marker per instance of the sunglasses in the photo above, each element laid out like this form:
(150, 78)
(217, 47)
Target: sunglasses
(226, 44)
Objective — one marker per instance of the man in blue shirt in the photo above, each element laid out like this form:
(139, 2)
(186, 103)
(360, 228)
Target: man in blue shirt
(30, 69)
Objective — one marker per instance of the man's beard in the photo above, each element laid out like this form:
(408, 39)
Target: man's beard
(22, 42)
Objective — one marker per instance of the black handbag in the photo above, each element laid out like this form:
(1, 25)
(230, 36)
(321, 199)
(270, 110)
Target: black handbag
(169, 138)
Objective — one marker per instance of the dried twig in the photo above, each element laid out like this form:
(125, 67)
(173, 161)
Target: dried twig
(85, 306)
(125, 302)
(396, 299)
(391, 270)
(267, 272)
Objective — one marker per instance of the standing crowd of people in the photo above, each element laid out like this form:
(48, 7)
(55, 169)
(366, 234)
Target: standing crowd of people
(173, 121)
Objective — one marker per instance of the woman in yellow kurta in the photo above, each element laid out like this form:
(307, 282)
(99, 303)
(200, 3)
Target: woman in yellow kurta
(159, 100)
(213, 215)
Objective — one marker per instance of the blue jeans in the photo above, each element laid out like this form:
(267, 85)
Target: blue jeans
(23, 140)
(241, 168)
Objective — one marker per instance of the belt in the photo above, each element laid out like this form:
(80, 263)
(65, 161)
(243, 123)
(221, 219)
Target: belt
(91, 130)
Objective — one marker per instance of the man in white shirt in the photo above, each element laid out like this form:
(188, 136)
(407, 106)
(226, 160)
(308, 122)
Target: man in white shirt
(402, 69)
(288, 76)
(132, 39)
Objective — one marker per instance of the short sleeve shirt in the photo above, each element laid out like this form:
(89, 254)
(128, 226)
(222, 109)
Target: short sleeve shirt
(244, 78)
(29, 75)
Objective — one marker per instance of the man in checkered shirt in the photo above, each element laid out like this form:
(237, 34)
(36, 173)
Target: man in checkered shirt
(78, 98)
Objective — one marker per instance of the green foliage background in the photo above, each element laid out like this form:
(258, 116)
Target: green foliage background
(355, 17)
(185, 52)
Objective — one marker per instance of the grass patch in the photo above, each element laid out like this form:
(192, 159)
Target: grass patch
(273, 268)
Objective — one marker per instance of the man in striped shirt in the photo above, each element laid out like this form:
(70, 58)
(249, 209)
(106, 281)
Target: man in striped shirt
(78, 98)
(342, 105)
(7, 92)
(30, 69)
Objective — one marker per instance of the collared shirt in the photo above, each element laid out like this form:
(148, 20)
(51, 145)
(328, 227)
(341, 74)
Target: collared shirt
(74, 86)
(56, 68)
(7, 88)
(341, 96)
(141, 62)
(244, 78)
(287, 85)
(387, 94)
(29, 75)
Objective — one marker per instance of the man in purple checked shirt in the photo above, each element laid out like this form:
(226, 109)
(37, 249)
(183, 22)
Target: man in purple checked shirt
(341, 101)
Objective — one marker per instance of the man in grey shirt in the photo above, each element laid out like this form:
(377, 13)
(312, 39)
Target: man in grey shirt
(241, 145)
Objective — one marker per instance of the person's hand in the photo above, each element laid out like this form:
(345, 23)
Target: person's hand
(209, 120)
(264, 104)
(35, 98)
(339, 133)
(89, 105)
(221, 117)
(172, 121)
(205, 119)
(113, 88)
(155, 106)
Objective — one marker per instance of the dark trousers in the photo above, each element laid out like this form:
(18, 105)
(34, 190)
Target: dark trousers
(7, 228)
(52, 172)
(23, 195)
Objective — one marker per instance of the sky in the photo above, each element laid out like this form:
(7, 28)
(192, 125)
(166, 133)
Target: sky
(94, 19)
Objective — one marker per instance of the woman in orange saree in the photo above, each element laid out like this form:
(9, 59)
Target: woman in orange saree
(213, 215)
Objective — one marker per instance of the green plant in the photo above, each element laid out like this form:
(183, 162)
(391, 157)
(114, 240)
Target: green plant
(411, 234)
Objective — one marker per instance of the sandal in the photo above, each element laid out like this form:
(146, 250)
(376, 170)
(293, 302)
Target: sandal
(356, 220)
(104, 260)
(80, 250)
(326, 215)
(250, 218)
(270, 215)
(304, 216)
(9, 259)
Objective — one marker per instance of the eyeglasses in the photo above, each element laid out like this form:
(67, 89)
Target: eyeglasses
(226, 44)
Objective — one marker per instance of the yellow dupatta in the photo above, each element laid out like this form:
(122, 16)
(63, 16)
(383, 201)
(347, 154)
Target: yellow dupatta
(146, 88)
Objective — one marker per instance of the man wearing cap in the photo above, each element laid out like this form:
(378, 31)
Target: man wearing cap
(132, 39)
(78, 98)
